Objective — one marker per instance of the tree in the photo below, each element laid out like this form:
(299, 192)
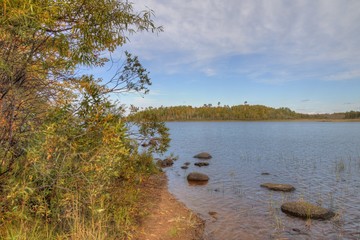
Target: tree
(68, 159)
(41, 44)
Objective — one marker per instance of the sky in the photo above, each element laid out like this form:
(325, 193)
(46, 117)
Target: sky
(300, 54)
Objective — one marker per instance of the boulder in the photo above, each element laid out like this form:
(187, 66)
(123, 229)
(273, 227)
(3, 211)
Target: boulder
(201, 164)
(196, 176)
(278, 187)
(306, 210)
(265, 173)
(203, 155)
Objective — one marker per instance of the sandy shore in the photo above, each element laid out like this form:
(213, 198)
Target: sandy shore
(166, 218)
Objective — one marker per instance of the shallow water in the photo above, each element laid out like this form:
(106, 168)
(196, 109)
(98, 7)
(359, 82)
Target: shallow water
(322, 161)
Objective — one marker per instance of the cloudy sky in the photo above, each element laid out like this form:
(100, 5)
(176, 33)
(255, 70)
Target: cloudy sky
(301, 54)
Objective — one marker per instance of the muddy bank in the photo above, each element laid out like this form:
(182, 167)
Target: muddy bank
(166, 218)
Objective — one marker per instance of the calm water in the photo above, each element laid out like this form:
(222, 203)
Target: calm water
(322, 160)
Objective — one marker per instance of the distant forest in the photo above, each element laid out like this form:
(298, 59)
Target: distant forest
(352, 115)
(243, 112)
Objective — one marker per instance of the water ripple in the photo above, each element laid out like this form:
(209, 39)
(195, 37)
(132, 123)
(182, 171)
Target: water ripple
(320, 159)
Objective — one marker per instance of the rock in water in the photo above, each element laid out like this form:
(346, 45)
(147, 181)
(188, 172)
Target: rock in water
(201, 164)
(195, 176)
(203, 155)
(278, 187)
(306, 210)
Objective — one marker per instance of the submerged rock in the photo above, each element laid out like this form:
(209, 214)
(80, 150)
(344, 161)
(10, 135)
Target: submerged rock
(278, 187)
(184, 167)
(201, 164)
(187, 163)
(265, 173)
(196, 176)
(303, 209)
(203, 155)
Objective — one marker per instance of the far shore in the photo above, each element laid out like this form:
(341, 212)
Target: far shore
(273, 120)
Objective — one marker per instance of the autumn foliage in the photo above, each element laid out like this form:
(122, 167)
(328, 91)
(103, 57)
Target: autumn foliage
(70, 159)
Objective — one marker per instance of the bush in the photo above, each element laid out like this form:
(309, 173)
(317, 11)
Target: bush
(80, 173)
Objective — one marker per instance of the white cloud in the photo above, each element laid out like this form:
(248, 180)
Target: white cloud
(347, 75)
(293, 33)
(209, 71)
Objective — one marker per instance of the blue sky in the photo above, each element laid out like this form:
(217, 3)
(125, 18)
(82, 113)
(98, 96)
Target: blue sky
(301, 54)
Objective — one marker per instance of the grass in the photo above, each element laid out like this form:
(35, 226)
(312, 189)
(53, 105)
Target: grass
(274, 211)
(28, 231)
(340, 166)
(181, 223)
(174, 231)
(111, 220)
(191, 221)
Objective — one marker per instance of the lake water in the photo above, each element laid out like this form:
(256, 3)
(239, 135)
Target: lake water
(321, 159)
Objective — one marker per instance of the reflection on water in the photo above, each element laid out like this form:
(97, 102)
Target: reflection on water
(322, 160)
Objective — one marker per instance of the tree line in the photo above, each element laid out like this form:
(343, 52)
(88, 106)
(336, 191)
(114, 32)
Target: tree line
(244, 112)
(352, 115)
(207, 112)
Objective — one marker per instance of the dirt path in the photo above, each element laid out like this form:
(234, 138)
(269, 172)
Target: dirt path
(167, 218)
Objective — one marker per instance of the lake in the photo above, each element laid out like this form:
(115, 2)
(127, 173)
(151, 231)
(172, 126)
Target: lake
(321, 159)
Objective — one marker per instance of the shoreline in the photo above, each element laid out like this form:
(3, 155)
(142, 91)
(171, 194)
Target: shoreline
(165, 217)
(274, 120)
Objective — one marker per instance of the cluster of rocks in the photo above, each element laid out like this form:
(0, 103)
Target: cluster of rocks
(186, 165)
(197, 177)
(301, 209)
(201, 156)
(167, 162)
